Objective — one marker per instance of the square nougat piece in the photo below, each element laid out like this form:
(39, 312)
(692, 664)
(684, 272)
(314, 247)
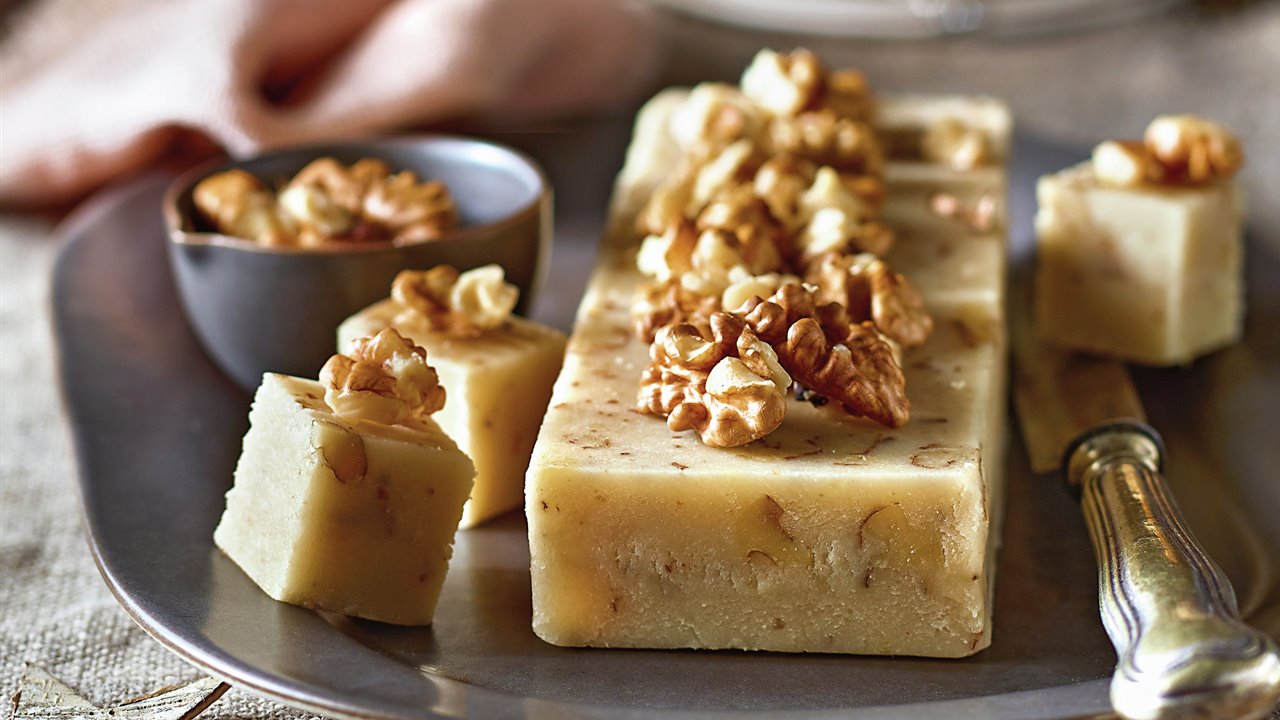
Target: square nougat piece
(356, 519)
(498, 383)
(1148, 274)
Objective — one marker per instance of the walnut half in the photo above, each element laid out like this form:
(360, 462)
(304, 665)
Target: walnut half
(461, 304)
(382, 378)
(731, 390)
(828, 352)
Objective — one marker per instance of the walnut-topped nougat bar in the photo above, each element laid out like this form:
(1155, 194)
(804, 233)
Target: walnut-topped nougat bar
(832, 533)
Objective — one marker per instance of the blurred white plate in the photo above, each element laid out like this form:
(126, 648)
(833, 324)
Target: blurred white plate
(916, 18)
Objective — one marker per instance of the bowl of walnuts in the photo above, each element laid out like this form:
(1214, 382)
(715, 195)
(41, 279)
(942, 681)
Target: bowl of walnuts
(270, 253)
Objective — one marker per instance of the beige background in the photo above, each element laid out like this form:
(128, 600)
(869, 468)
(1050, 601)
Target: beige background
(54, 609)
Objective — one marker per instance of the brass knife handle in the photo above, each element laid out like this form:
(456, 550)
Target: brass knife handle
(1183, 651)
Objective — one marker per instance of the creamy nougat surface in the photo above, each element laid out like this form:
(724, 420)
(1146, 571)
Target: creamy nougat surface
(1148, 274)
(498, 384)
(832, 534)
(357, 518)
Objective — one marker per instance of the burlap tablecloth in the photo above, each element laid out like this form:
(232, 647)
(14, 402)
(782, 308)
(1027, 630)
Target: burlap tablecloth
(56, 612)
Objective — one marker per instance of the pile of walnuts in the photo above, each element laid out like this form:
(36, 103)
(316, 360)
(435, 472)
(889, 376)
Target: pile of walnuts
(328, 201)
(762, 256)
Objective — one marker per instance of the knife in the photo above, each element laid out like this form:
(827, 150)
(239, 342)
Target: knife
(1182, 649)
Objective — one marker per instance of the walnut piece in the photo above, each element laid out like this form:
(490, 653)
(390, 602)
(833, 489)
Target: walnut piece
(825, 350)
(669, 254)
(789, 83)
(665, 303)
(716, 114)
(461, 304)
(483, 297)
(869, 290)
(1193, 150)
(783, 84)
(780, 182)
(319, 217)
(849, 95)
(954, 143)
(837, 220)
(1125, 163)
(859, 370)
(345, 185)
(744, 286)
(382, 378)
(731, 391)
(413, 211)
(670, 202)
(850, 146)
(238, 204)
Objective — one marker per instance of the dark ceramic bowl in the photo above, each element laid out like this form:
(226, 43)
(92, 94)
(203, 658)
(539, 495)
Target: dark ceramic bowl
(263, 309)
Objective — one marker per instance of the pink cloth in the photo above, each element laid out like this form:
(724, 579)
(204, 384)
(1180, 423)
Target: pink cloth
(121, 90)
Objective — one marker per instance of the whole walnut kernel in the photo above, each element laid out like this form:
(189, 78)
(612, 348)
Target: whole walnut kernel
(731, 391)
(382, 378)
(860, 370)
(484, 297)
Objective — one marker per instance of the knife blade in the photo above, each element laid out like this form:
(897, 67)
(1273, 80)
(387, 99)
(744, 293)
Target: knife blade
(1182, 649)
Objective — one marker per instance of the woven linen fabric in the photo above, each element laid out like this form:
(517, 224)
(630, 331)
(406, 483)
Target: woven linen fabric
(55, 611)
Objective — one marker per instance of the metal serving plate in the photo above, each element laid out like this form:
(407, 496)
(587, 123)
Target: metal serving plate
(157, 431)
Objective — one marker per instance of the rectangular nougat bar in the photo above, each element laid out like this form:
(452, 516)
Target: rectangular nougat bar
(832, 534)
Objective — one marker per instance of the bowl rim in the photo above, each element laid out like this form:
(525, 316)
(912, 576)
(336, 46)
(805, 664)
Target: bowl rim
(186, 182)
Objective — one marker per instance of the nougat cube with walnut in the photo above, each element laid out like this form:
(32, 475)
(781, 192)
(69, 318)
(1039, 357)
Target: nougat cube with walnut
(498, 382)
(355, 518)
(1148, 273)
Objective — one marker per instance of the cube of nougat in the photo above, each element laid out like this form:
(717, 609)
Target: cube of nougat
(356, 519)
(1150, 274)
(498, 382)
